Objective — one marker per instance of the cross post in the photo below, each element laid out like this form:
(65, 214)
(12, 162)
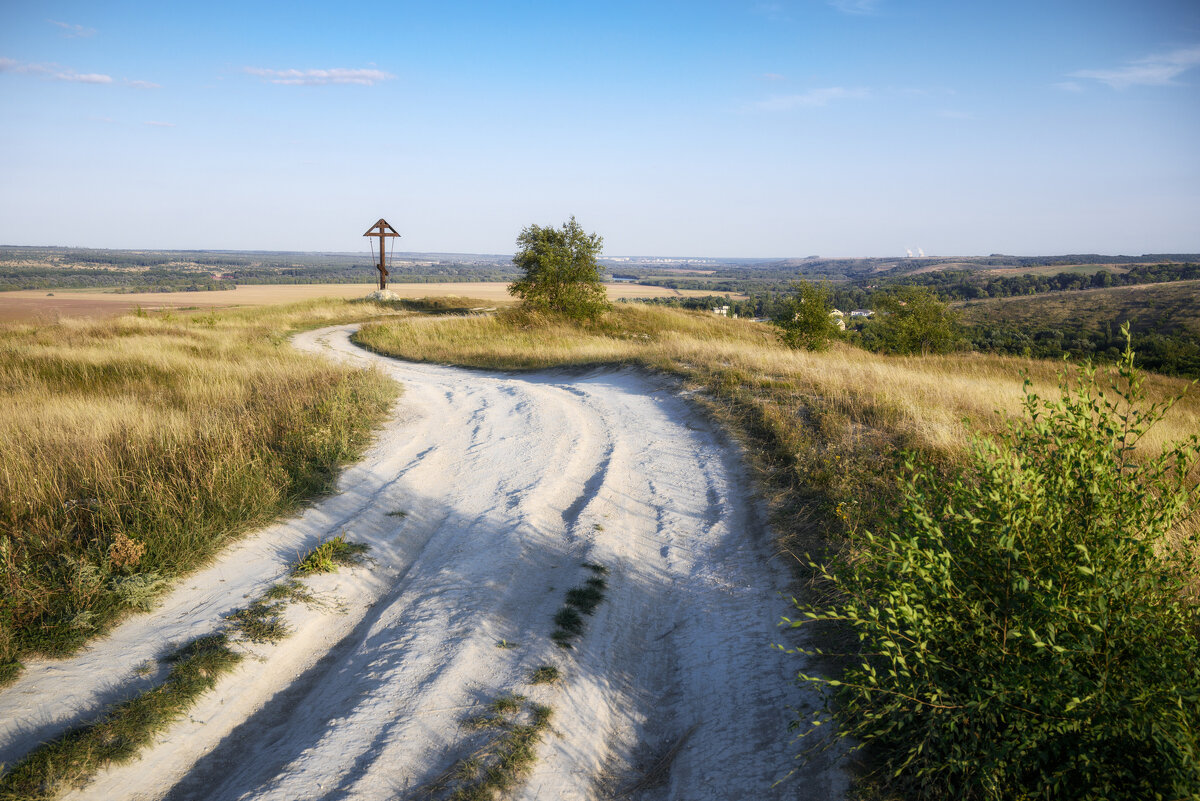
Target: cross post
(382, 230)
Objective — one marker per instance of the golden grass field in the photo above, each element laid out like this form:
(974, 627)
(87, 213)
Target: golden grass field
(40, 305)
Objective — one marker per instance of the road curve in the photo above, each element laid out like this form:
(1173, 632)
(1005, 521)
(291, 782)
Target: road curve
(507, 483)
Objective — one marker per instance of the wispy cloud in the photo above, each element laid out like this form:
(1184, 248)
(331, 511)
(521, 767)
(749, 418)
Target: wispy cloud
(73, 31)
(57, 72)
(860, 8)
(771, 76)
(338, 75)
(810, 99)
(1160, 69)
(952, 114)
(157, 124)
(52, 71)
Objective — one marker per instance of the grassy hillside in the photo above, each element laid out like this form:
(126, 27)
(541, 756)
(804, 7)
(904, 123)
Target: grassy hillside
(131, 449)
(1163, 308)
(1164, 318)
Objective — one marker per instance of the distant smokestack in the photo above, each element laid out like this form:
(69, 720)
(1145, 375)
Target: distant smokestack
(920, 253)
(908, 252)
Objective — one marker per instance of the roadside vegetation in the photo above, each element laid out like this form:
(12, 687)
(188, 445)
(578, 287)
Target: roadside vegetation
(118, 735)
(72, 759)
(829, 433)
(131, 449)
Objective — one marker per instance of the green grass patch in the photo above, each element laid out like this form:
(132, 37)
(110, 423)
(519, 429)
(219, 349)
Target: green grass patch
(497, 766)
(328, 555)
(585, 598)
(73, 758)
(546, 674)
(260, 622)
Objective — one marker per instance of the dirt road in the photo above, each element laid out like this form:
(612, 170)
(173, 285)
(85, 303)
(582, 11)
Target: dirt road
(482, 500)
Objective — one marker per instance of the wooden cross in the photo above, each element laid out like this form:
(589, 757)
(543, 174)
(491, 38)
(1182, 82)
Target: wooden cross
(382, 230)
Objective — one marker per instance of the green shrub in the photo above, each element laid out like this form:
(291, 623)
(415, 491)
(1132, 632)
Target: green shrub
(1026, 630)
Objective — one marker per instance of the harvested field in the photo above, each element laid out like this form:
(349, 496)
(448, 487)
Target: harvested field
(39, 305)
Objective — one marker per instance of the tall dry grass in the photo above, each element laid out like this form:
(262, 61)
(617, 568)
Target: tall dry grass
(132, 448)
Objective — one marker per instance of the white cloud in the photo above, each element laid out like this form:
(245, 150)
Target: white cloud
(771, 76)
(73, 31)
(810, 99)
(1156, 70)
(951, 114)
(88, 77)
(157, 124)
(143, 85)
(860, 8)
(338, 75)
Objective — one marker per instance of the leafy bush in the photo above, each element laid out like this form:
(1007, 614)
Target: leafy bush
(911, 320)
(1026, 630)
(803, 318)
(561, 274)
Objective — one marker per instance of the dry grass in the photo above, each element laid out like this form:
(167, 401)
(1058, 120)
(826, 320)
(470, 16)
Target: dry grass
(131, 449)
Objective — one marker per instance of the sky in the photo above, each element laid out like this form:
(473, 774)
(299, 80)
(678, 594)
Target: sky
(736, 129)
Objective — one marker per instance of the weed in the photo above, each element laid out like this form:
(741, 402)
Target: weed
(506, 644)
(260, 622)
(585, 598)
(546, 674)
(326, 556)
(398, 513)
(569, 620)
(599, 570)
(507, 704)
(291, 590)
(499, 764)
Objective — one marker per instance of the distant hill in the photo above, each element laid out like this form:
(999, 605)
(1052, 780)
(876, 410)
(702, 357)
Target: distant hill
(1164, 319)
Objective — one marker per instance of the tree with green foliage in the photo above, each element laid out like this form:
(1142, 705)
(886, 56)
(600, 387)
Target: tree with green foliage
(911, 320)
(1028, 628)
(803, 318)
(561, 273)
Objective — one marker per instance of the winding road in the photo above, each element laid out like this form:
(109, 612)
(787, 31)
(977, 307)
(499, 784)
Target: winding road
(482, 498)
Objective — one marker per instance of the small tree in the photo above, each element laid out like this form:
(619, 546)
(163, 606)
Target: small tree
(1028, 628)
(561, 273)
(912, 320)
(803, 319)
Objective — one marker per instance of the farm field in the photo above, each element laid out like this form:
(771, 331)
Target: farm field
(35, 305)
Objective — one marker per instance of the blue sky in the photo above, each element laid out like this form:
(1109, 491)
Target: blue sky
(762, 129)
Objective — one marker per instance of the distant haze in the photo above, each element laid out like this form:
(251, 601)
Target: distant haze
(751, 129)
